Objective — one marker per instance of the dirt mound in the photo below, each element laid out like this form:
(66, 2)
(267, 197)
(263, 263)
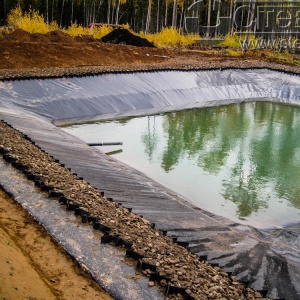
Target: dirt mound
(19, 35)
(39, 38)
(85, 39)
(123, 36)
(58, 36)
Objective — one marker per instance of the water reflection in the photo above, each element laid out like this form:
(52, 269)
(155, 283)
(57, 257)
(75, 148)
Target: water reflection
(258, 145)
(150, 138)
(241, 161)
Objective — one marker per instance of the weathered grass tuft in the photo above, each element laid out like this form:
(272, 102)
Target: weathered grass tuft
(233, 53)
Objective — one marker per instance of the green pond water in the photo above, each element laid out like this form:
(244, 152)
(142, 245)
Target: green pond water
(241, 161)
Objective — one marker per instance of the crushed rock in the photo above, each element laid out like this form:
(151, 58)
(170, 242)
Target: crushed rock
(181, 274)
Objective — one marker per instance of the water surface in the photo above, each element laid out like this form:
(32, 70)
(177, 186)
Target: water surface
(241, 161)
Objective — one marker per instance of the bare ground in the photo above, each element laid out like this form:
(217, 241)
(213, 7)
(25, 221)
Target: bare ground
(32, 265)
(23, 55)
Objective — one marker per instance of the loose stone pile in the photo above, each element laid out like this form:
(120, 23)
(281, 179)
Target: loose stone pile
(182, 274)
(96, 70)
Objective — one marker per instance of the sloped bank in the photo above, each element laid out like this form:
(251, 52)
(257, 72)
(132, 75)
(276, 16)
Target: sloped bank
(30, 105)
(72, 99)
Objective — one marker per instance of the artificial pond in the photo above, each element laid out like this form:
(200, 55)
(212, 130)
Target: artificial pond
(116, 96)
(267, 259)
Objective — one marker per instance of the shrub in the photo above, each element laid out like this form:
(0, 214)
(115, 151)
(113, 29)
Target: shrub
(231, 41)
(14, 17)
(76, 30)
(100, 31)
(31, 22)
(53, 26)
(170, 37)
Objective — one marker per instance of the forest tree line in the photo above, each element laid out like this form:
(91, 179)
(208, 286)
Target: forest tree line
(211, 17)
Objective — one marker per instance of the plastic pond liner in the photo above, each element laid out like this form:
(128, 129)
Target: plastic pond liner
(267, 260)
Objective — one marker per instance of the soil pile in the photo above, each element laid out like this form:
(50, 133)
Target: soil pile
(56, 49)
(123, 36)
(85, 39)
(58, 36)
(20, 35)
(57, 54)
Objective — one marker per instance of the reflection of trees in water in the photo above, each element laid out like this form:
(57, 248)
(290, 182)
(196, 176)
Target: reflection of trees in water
(198, 134)
(277, 152)
(241, 186)
(245, 195)
(264, 138)
(150, 138)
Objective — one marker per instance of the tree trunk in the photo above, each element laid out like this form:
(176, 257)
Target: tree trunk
(72, 12)
(4, 11)
(62, 11)
(52, 13)
(231, 17)
(166, 14)
(174, 17)
(148, 17)
(108, 11)
(112, 15)
(47, 12)
(208, 19)
(181, 17)
(117, 13)
(157, 16)
(98, 10)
